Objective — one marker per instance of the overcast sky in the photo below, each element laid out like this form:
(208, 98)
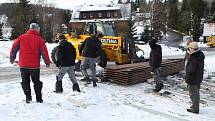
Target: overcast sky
(68, 4)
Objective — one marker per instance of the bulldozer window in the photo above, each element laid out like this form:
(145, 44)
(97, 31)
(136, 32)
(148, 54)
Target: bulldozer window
(109, 30)
(99, 28)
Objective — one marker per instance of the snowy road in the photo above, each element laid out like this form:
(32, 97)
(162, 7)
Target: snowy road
(12, 73)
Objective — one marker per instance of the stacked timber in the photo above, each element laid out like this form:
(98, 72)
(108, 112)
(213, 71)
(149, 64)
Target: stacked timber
(138, 72)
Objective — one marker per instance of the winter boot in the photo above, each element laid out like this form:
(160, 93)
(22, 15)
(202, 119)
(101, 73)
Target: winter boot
(158, 87)
(27, 92)
(38, 89)
(58, 87)
(94, 83)
(191, 111)
(75, 87)
(39, 98)
(28, 96)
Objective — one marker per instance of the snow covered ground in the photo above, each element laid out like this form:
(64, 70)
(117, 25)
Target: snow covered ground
(107, 102)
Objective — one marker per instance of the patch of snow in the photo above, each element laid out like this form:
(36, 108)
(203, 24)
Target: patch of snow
(6, 28)
(107, 102)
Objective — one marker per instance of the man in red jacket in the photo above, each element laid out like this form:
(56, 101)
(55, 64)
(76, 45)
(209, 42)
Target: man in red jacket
(31, 47)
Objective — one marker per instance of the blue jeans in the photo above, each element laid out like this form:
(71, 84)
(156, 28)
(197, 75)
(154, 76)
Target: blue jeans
(90, 63)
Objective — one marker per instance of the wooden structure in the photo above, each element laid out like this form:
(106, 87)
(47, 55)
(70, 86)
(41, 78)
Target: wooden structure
(134, 73)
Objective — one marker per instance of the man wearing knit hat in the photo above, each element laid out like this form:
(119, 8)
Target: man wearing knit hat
(194, 75)
(31, 47)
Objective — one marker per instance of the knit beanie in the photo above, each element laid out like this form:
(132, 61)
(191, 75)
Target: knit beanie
(193, 47)
(34, 26)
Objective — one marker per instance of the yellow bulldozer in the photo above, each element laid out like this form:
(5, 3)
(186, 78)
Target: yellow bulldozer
(117, 48)
(211, 41)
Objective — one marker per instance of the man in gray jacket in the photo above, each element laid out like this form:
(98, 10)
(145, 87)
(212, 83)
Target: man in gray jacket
(194, 75)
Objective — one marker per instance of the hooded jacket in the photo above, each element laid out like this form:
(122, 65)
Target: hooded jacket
(155, 57)
(195, 68)
(31, 47)
(91, 47)
(66, 54)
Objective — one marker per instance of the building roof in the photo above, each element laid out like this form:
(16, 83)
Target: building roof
(124, 8)
(98, 8)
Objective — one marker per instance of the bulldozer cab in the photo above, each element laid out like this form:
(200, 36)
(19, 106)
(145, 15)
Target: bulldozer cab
(106, 28)
(116, 48)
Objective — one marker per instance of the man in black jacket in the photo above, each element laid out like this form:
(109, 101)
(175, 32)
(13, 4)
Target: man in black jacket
(90, 50)
(194, 75)
(66, 63)
(155, 60)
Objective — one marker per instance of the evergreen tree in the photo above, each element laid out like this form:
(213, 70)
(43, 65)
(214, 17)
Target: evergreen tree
(144, 8)
(211, 16)
(132, 28)
(159, 19)
(185, 5)
(21, 18)
(133, 8)
(197, 8)
(146, 35)
(212, 11)
(137, 4)
(173, 14)
(184, 22)
(0, 31)
(66, 17)
(196, 28)
(185, 19)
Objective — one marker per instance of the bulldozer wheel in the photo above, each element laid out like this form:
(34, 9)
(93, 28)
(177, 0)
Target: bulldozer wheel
(211, 46)
(54, 55)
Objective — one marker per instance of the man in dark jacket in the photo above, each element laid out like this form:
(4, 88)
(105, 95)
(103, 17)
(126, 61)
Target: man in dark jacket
(155, 60)
(31, 47)
(66, 63)
(90, 50)
(194, 75)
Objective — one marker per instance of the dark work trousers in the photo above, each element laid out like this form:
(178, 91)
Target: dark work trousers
(156, 76)
(194, 96)
(27, 75)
